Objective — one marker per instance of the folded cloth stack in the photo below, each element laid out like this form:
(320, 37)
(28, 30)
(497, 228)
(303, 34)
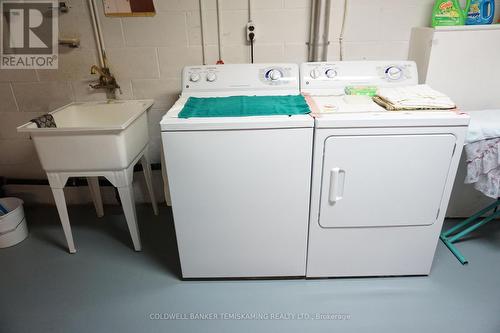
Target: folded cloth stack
(419, 97)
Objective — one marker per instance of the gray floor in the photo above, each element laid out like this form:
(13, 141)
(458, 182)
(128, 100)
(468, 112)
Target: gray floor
(106, 287)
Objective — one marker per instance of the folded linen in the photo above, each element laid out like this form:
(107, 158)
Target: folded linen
(419, 97)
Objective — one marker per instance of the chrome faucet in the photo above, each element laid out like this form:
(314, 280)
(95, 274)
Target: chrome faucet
(106, 81)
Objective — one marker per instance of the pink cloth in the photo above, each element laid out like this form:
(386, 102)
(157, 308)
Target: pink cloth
(483, 166)
(315, 112)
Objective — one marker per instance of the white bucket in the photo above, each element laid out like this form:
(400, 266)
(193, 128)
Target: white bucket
(13, 228)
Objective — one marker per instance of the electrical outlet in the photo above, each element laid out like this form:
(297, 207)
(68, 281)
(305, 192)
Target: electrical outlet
(250, 31)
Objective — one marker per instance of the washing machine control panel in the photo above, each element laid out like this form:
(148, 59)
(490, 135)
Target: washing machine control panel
(337, 75)
(246, 79)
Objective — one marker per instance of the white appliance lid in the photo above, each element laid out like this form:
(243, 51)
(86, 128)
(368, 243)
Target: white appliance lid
(361, 111)
(171, 121)
(392, 119)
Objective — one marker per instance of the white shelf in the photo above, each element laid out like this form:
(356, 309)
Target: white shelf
(469, 27)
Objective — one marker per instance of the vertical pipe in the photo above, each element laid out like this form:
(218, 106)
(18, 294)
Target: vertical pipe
(97, 35)
(101, 38)
(326, 32)
(311, 31)
(342, 29)
(219, 29)
(317, 14)
(250, 12)
(203, 31)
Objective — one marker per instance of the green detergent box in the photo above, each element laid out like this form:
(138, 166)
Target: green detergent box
(361, 90)
(449, 13)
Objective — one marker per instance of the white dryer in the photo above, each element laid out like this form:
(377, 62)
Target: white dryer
(239, 185)
(381, 180)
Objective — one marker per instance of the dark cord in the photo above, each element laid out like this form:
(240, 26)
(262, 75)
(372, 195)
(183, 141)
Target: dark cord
(251, 51)
(252, 36)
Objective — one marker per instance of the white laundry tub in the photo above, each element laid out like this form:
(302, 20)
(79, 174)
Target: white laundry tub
(13, 228)
(92, 136)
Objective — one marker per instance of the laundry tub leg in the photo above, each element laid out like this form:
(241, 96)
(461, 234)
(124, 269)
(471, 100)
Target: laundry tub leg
(95, 193)
(128, 204)
(63, 215)
(148, 175)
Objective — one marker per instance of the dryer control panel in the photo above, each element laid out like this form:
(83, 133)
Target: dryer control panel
(336, 75)
(240, 79)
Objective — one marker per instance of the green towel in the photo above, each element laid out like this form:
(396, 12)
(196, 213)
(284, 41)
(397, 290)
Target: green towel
(243, 106)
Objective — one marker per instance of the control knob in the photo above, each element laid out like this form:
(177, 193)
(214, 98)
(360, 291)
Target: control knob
(315, 73)
(274, 75)
(211, 76)
(194, 77)
(331, 73)
(394, 73)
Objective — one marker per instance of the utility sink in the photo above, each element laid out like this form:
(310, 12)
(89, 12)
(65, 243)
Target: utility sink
(92, 136)
(96, 139)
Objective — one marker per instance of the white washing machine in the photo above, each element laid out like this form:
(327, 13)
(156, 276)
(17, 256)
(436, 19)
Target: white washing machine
(381, 180)
(239, 185)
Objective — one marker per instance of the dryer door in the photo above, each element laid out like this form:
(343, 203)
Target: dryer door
(384, 180)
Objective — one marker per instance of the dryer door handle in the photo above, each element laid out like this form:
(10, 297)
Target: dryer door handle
(337, 179)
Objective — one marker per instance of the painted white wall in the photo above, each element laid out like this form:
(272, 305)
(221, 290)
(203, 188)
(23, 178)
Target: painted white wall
(147, 54)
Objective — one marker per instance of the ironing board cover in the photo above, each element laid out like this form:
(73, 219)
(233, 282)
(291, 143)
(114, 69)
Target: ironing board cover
(483, 152)
(243, 106)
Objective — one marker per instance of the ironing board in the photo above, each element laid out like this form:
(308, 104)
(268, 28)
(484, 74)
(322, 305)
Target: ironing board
(483, 170)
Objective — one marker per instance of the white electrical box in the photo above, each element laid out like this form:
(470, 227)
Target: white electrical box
(250, 31)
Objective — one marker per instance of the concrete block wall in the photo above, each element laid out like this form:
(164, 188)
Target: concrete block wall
(147, 54)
